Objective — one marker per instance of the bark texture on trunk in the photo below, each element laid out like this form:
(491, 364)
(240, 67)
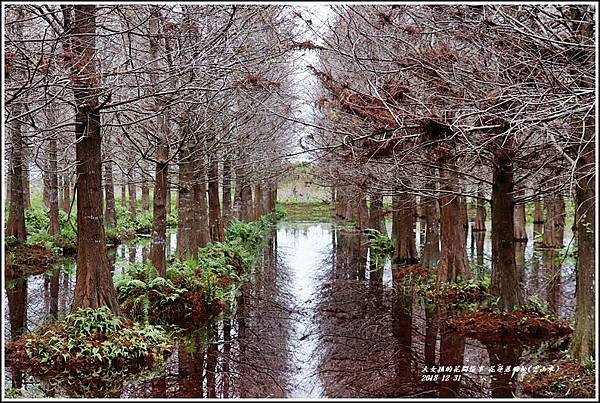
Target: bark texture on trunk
(132, 189)
(583, 345)
(216, 230)
(453, 259)
(258, 201)
(186, 214)
(201, 220)
(520, 232)
(431, 249)
(506, 278)
(403, 223)
(480, 213)
(376, 220)
(16, 213)
(66, 201)
(160, 200)
(159, 210)
(145, 190)
(555, 221)
(94, 286)
(110, 213)
(54, 228)
(26, 174)
(226, 192)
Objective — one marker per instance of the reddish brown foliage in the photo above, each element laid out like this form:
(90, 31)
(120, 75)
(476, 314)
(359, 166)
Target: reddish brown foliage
(413, 272)
(29, 260)
(508, 327)
(364, 106)
(9, 59)
(570, 381)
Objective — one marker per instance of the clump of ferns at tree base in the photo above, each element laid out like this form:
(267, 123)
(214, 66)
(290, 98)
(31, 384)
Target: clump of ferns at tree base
(195, 290)
(89, 341)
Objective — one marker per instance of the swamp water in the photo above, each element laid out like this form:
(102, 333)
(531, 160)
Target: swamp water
(315, 321)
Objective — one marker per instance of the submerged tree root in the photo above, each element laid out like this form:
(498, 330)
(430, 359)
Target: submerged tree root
(508, 327)
(572, 380)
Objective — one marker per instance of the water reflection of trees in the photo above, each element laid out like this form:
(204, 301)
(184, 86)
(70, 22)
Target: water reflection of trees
(365, 331)
(374, 340)
(241, 357)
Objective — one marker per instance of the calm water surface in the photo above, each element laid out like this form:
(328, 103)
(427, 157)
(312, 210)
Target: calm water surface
(318, 320)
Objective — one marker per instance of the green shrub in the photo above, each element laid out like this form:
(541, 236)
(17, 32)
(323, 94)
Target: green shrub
(89, 343)
(173, 218)
(143, 222)
(195, 290)
(380, 245)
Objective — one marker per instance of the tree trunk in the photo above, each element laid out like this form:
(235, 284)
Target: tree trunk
(168, 205)
(159, 210)
(404, 224)
(26, 175)
(110, 214)
(555, 221)
(226, 192)
(273, 197)
(431, 249)
(123, 195)
(583, 338)
(66, 201)
(52, 174)
(552, 275)
(538, 220)
(258, 197)
(520, 232)
(214, 205)
(161, 191)
(186, 205)
(132, 188)
(201, 219)
(145, 190)
(505, 277)
(453, 260)
(16, 214)
(376, 220)
(46, 187)
(94, 286)
(480, 213)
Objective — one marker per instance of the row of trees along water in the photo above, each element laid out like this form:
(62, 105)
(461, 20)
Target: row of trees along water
(444, 103)
(493, 103)
(181, 99)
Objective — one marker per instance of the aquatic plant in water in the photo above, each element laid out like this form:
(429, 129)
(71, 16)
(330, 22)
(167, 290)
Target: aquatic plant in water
(90, 345)
(195, 290)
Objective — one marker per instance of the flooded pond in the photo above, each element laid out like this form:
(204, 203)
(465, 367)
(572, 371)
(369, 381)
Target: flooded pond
(316, 321)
